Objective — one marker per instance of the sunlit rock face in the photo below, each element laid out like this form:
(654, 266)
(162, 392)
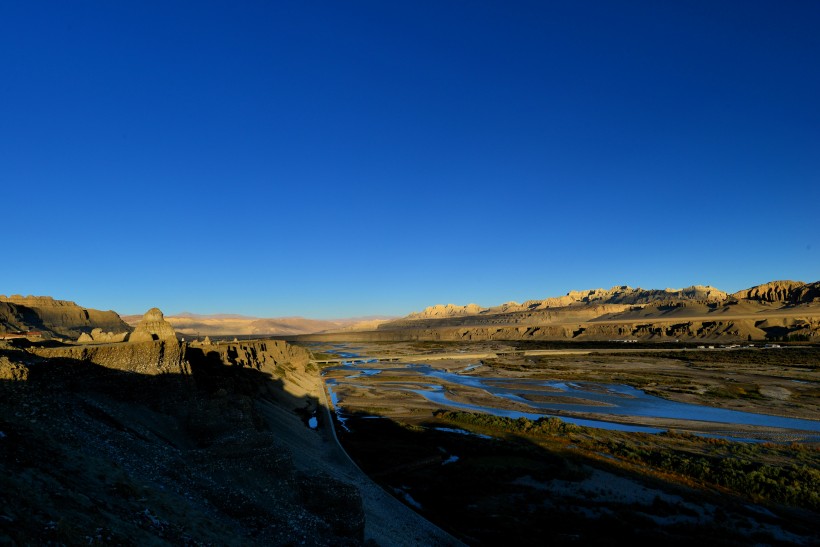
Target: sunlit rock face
(153, 327)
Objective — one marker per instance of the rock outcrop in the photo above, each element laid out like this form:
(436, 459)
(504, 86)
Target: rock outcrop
(10, 370)
(153, 327)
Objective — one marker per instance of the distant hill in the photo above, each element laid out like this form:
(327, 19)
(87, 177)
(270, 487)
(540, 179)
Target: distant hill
(223, 324)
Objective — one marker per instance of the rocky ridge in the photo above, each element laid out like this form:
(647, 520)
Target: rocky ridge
(446, 310)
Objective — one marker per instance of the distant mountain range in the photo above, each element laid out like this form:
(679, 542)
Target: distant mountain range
(224, 324)
(775, 310)
(772, 311)
(775, 292)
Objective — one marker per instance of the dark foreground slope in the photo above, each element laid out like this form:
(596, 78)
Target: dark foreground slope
(94, 452)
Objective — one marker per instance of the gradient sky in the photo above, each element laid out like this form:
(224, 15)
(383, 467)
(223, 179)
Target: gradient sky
(335, 159)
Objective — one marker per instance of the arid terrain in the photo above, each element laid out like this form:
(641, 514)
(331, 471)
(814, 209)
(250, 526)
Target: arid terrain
(499, 468)
(151, 441)
(622, 416)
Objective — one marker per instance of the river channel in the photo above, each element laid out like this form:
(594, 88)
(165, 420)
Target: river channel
(543, 397)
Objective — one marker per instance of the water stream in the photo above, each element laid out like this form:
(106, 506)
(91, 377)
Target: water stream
(549, 397)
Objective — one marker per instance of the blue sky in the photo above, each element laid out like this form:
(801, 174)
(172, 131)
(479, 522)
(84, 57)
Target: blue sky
(336, 159)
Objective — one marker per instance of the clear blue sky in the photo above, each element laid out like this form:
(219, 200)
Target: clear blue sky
(333, 159)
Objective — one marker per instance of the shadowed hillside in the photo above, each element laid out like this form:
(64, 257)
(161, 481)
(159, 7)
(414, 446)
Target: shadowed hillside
(157, 443)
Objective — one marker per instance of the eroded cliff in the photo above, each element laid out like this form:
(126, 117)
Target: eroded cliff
(55, 318)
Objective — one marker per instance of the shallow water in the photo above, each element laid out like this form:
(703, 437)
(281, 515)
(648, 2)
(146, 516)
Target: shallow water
(587, 397)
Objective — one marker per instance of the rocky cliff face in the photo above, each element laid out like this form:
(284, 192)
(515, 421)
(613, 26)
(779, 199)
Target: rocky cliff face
(446, 310)
(55, 318)
(622, 295)
(782, 292)
(774, 311)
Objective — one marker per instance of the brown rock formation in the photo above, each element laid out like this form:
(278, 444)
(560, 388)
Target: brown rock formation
(448, 310)
(153, 327)
(10, 370)
(784, 310)
(786, 292)
(55, 318)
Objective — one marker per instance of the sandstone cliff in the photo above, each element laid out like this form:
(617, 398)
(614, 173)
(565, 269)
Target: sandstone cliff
(784, 292)
(55, 318)
(446, 310)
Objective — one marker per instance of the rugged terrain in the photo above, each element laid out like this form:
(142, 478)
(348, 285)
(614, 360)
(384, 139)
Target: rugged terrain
(775, 311)
(52, 318)
(153, 441)
(175, 452)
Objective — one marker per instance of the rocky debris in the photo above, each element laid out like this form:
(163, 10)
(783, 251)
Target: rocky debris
(98, 336)
(340, 504)
(12, 371)
(55, 318)
(153, 327)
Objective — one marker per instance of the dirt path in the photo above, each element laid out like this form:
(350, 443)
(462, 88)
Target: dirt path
(387, 520)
